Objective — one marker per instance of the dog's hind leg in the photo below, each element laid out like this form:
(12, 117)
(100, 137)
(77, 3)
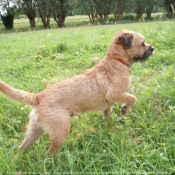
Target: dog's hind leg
(106, 115)
(34, 131)
(57, 127)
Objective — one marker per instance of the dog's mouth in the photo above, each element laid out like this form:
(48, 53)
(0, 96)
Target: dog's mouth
(145, 56)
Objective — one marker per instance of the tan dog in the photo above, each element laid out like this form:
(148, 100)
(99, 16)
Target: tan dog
(95, 89)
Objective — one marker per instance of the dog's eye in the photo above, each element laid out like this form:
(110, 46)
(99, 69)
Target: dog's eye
(143, 44)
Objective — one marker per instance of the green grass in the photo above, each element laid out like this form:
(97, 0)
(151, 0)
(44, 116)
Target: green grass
(142, 142)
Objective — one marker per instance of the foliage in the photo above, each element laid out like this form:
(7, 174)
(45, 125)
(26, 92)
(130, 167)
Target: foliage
(7, 7)
(8, 13)
(139, 7)
(118, 8)
(97, 10)
(20, 16)
(60, 10)
(78, 8)
(29, 8)
(170, 6)
(152, 5)
(103, 8)
(128, 17)
(90, 9)
(8, 21)
(44, 11)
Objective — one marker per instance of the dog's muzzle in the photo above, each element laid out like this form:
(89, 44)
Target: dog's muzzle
(151, 48)
(145, 56)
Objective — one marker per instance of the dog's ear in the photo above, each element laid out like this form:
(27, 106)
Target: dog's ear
(126, 40)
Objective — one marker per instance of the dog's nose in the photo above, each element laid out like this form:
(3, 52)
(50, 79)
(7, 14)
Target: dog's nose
(151, 48)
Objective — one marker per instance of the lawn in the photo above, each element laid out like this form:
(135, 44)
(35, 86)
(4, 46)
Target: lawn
(142, 142)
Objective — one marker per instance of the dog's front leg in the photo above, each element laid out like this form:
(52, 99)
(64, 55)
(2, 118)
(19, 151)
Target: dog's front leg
(126, 99)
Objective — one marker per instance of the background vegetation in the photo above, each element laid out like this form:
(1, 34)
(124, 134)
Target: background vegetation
(98, 11)
(142, 142)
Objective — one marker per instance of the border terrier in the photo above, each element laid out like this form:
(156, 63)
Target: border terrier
(96, 89)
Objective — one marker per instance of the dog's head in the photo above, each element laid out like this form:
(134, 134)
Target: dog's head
(131, 46)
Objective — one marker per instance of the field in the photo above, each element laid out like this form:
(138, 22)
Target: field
(142, 142)
(22, 24)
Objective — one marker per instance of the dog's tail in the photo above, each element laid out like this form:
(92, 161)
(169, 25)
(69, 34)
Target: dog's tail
(18, 95)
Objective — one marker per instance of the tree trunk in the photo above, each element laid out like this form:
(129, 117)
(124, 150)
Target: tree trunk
(173, 11)
(101, 17)
(32, 22)
(45, 21)
(60, 20)
(172, 15)
(139, 16)
(148, 15)
(105, 17)
(92, 18)
(61, 23)
(119, 17)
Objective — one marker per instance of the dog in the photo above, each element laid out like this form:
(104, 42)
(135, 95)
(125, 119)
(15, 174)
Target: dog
(96, 89)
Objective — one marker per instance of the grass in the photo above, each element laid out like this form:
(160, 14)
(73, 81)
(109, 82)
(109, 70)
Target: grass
(142, 142)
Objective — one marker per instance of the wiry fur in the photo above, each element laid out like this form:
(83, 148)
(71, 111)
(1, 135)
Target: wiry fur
(18, 95)
(96, 89)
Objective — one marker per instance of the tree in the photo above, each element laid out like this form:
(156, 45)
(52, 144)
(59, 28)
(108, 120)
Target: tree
(139, 8)
(103, 8)
(118, 7)
(151, 5)
(60, 10)
(90, 8)
(78, 8)
(29, 8)
(44, 11)
(170, 7)
(8, 8)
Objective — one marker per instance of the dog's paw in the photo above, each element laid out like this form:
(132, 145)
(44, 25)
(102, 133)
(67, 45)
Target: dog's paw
(123, 110)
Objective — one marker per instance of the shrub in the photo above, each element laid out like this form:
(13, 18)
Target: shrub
(8, 21)
(149, 18)
(111, 19)
(20, 16)
(128, 17)
(161, 17)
